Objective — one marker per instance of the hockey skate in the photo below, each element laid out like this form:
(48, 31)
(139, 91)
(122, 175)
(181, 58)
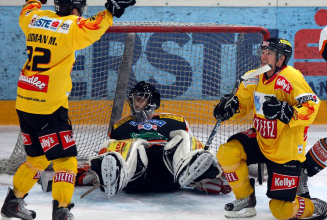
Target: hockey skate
(62, 213)
(14, 207)
(303, 189)
(248, 204)
(320, 207)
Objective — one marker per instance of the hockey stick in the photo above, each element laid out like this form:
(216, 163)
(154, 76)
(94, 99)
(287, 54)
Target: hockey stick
(237, 85)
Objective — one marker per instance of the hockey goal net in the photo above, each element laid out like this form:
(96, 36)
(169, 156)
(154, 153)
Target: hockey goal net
(191, 65)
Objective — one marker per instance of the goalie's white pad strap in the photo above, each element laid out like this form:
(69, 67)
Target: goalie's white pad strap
(181, 155)
(169, 146)
(137, 148)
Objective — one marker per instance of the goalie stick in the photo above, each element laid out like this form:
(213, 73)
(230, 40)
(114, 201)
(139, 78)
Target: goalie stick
(237, 85)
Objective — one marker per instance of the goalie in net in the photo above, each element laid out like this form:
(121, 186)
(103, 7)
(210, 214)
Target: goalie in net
(150, 152)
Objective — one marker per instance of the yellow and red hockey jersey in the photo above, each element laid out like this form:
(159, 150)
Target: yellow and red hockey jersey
(45, 82)
(280, 142)
(323, 43)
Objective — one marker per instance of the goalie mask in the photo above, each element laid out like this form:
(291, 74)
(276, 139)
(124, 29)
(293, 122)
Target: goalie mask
(143, 100)
(281, 46)
(65, 7)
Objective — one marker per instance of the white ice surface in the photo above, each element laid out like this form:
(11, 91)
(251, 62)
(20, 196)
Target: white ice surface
(184, 204)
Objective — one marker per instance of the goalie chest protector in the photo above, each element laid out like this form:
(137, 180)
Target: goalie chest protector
(158, 128)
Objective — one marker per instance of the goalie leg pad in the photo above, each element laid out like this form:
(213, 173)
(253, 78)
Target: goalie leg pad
(189, 165)
(114, 172)
(200, 166)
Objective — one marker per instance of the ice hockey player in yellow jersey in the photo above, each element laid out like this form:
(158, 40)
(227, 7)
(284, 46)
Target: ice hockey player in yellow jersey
(43, 89)
(284, 106)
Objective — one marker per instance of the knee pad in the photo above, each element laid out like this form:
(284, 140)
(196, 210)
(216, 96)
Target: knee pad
(68, 164)
(28, 174)
(187, 164)
(299, 208)
(282, 209)
(230, 155)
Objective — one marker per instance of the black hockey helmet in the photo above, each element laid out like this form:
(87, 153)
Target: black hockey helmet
(281, 46)
(65, 7)
(151, 99)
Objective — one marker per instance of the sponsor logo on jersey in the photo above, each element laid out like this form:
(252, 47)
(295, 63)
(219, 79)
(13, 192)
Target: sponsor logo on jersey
(283, 84)
(301, 207)
(37, 83)
(117, 146)
(174, 117)
(305, 97)
(266, 128)
(259, 99)
(49, 141)
(27, 139)
(160, 123)
(64, 177)
(148, 135)
(282, 182)
(147, 127)
(122, 121)
(250, 133)
(300, 149)
(320, 153)
(37, 175)
(33, 20)
(45, 23)
(251, 81)
(231, 177)
(67, 139)
(64, 28)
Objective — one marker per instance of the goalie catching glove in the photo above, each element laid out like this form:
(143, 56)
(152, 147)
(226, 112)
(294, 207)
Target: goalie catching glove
(113, 171)
(223, 111)
(276, 109)
(189, 165)
(117, 7)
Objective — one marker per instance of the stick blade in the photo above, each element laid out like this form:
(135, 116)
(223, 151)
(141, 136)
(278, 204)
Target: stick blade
(257, 72)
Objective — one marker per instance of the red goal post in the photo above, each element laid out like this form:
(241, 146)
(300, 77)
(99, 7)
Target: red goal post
(192, 66)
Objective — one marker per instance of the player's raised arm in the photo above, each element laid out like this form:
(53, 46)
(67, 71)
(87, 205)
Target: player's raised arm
(323, 43)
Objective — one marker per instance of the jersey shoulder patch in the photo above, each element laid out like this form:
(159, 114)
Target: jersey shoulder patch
(283, 84)
(122, 121)
(172, 116)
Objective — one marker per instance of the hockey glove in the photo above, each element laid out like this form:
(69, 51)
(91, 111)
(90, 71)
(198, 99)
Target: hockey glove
(276, 109)
(117, 7)
(223, 112)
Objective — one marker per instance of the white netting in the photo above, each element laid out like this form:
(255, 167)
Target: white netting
(191, 70)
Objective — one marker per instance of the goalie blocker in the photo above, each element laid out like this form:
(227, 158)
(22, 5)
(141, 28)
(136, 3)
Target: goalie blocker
(126, 165)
